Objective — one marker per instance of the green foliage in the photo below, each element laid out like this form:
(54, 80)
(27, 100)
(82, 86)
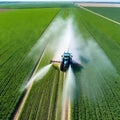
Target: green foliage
(97, 94)
(59, 96)
(44, 90)
(19, 30)
(41, 91)
(110, 12)
(98, 98)
(53, 99)
(20, 5)
(105, 32)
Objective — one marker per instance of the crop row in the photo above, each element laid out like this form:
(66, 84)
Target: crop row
(110, 12)
(99, 100)
(43, 102)
(20, 29)
(98, 89)
(41, 92)
(108, 39)
(46, 92)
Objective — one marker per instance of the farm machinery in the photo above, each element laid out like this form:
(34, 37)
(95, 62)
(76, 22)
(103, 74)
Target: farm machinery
(66, 62)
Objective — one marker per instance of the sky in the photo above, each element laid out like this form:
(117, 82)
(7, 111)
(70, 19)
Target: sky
(68, 0)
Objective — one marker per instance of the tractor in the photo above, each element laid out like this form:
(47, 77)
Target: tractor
(66, 62)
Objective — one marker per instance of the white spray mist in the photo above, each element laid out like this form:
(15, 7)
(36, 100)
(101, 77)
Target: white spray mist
(69, 86)
(39, 75)
(67, 41)
(51, 34)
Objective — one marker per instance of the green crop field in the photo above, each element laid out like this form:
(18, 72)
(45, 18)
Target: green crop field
(106, 33)
(24, 5)
(31, 38)
(110, 12)
(19, 29)
(99, 97)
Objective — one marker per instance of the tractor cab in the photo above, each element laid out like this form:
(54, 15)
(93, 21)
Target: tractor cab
(66, 61)
(67, 57)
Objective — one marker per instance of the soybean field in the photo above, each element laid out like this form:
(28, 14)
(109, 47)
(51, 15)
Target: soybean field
(33, 88)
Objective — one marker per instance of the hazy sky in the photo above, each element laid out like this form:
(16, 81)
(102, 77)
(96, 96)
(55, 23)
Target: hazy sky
(67, 0)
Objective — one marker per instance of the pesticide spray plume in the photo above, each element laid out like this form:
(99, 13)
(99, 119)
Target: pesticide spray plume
(97, 66)
(95, 62)
(39, 75)
(68, 93)
(69, 86)
(64, 39)
(50, 35)
(67, 41)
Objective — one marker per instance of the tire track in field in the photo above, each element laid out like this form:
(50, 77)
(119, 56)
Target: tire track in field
(27, 91)
(66, 110)
(65, 106)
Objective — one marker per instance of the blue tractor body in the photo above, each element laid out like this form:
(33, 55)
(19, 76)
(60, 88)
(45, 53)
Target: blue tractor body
(66, 61)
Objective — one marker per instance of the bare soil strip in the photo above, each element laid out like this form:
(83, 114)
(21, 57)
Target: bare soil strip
(22, 104)
(65, 107)
(27, 92)
(66, 110)
(98, 5)
(4, 10)
(69, 110)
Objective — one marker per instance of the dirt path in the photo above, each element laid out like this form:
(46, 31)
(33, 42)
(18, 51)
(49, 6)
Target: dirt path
(22, 103)
(17, 115)
(65, 107)
(98, 5)
(5, 10)
(66, 110)
(69, 110)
